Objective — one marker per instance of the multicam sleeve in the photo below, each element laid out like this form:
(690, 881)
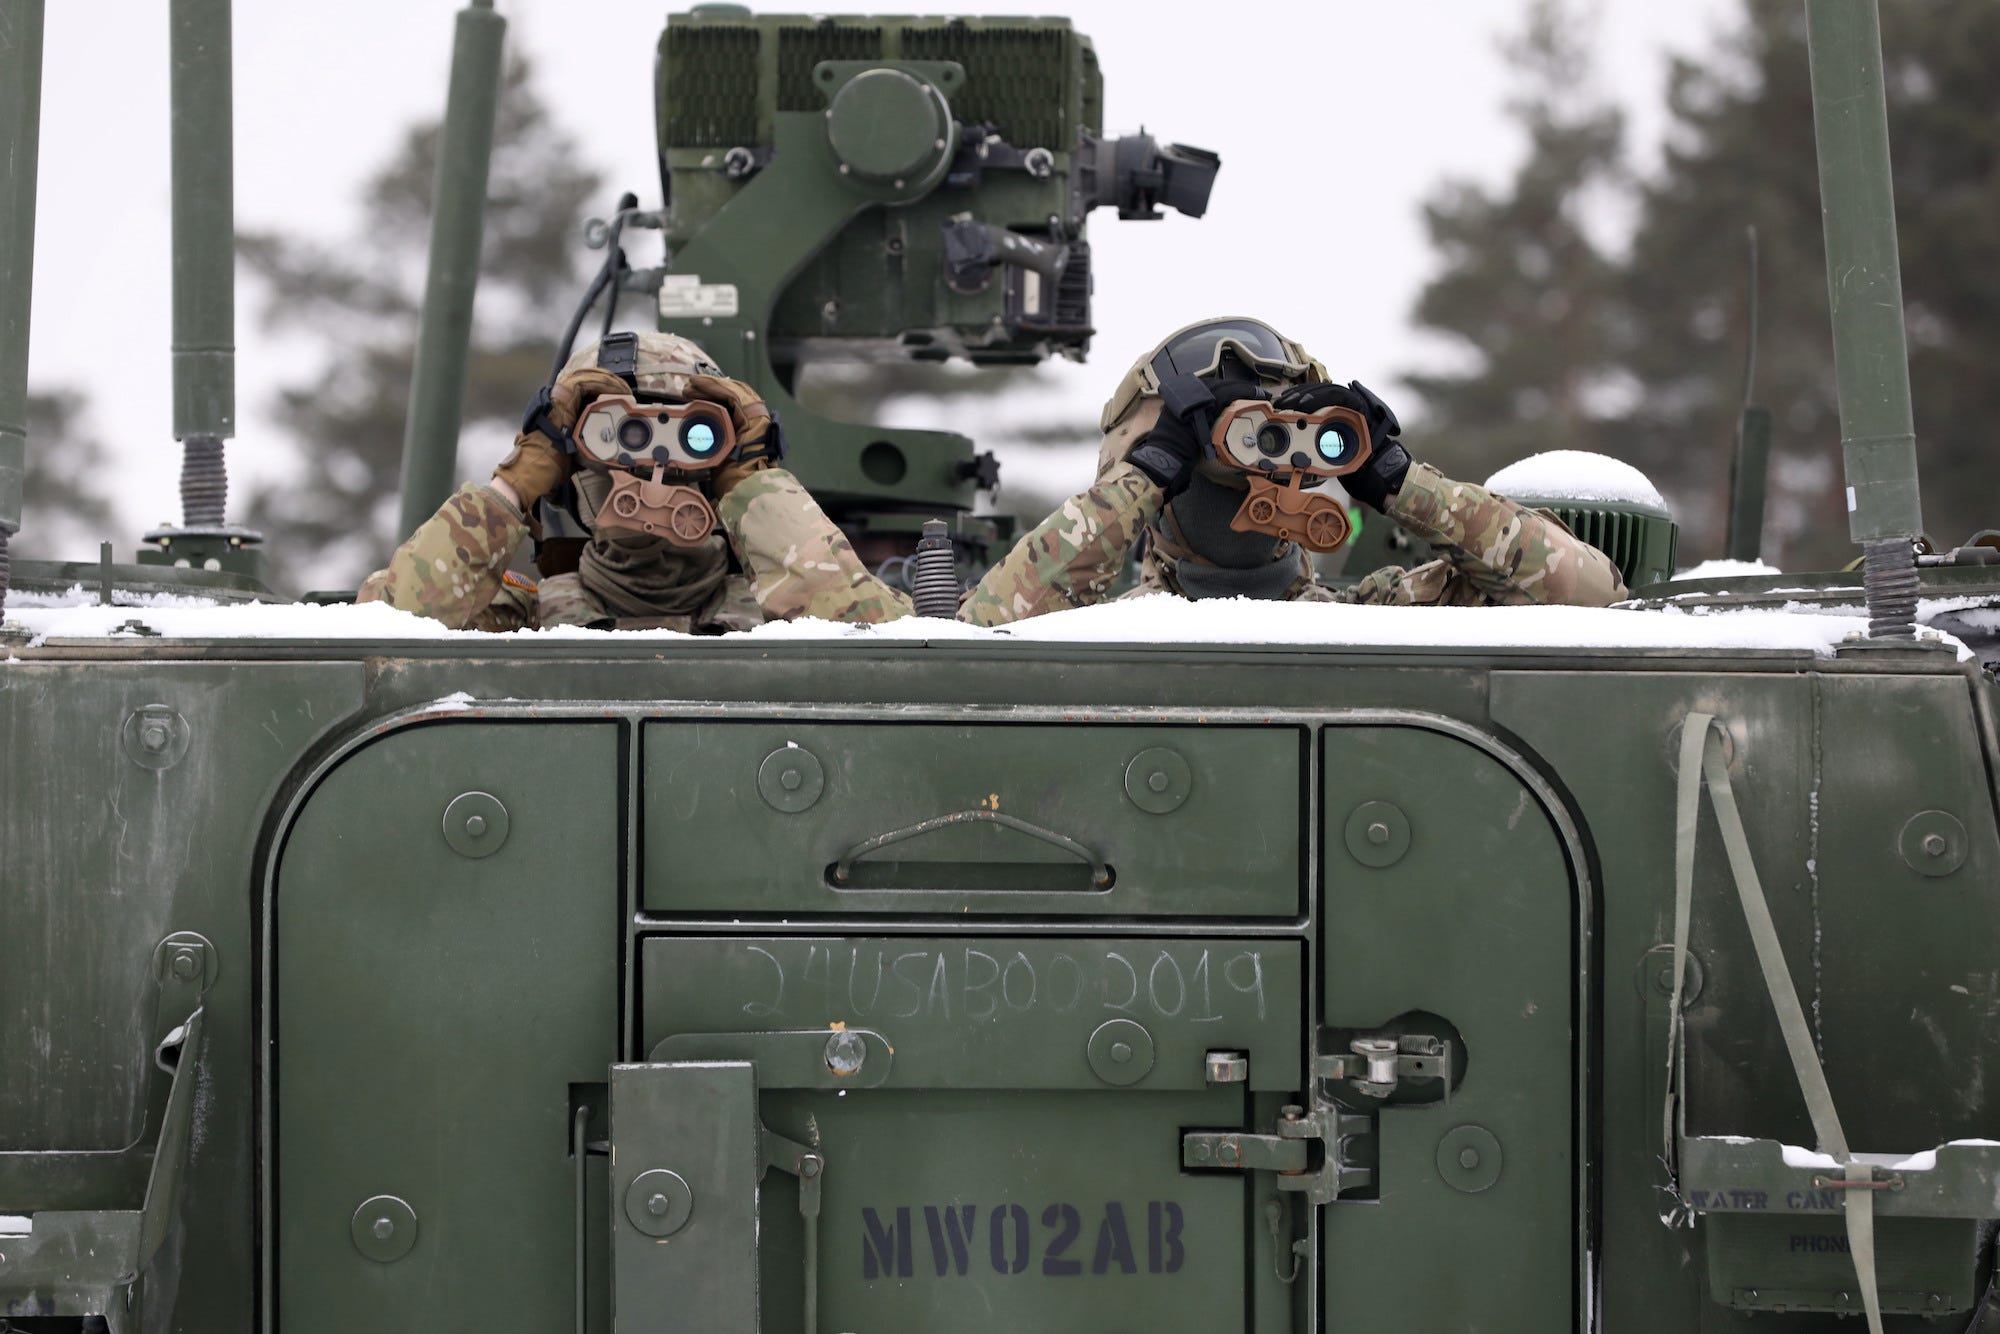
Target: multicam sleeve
(1492, 551)
(799, 562)
(452, 566)
(1070, 558)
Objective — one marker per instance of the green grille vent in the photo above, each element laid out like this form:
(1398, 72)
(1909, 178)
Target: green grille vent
(801, 48)
(1639, 539)
(1016, 79)
(710, 97)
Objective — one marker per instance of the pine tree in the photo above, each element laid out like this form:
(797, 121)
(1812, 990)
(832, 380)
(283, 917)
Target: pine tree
(335, 521)
(64, 512)
(1525, 290)
(1741, 152)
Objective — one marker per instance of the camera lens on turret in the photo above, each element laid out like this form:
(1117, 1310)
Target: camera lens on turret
(1273, 439)
(634, 435)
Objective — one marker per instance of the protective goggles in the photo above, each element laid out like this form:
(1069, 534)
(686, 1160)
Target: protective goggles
(617, 431)
(1198, 349)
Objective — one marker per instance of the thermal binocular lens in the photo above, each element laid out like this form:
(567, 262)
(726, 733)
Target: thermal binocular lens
(699, 437)
(1273, 439)
(634, 434)
(1337, 443)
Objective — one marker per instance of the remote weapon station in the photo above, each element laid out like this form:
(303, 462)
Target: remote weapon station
(1000, 984)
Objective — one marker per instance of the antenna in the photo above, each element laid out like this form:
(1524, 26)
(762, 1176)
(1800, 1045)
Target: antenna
(1749, 470)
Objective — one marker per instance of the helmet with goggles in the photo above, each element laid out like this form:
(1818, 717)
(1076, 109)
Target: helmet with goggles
(1206, 349)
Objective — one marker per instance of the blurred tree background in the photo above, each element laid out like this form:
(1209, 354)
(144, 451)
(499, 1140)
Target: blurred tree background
(1639, 352)
(62, 489)
(1583, 302)
(359, 302)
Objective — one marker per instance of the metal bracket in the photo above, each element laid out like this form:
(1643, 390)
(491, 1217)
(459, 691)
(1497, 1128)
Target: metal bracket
(1376, 1067)
(1322, 1174)
(75, 1262)
(809, 1166)
(823, 1058)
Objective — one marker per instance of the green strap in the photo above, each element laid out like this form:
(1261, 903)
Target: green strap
(1701, 736)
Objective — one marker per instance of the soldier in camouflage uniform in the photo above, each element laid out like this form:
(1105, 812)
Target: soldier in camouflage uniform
(1157, 480)
(776, 555)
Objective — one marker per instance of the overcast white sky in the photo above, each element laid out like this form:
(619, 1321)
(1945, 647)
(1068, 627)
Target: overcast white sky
(1333, 120)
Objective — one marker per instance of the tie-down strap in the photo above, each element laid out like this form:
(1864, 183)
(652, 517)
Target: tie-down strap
(1702, 757)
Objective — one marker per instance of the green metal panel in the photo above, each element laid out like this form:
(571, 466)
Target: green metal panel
(105, 856)
(686, 1138)
(1903, 973)
(434, 1009)
(993, 1180)
(1220, 837)
(1651, 1276)
(1476, 922)
(991, 1012)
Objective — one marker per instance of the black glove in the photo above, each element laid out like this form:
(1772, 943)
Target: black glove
(1188, 405)
(1388, 462)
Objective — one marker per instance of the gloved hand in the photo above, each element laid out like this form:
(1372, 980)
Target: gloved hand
(537, 465)
(1388, 462)
(1188, 406)
(757, 435)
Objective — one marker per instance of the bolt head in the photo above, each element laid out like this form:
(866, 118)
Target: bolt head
(1121, 1051)
(791, 779)
(1158, 781)
(153, 736)
(1468, 1158)
(809, 1167)
(1933, 845)
(185, 966)
(383, 1229)
(1378, 833)
(657, 1204)
(475, 825)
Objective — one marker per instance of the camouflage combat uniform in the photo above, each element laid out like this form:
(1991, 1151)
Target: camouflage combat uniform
(791, 561)
(1491, 552)
(774, 556)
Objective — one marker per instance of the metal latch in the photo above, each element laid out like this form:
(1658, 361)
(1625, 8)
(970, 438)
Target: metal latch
(1376, 1066)
(1308, 1153)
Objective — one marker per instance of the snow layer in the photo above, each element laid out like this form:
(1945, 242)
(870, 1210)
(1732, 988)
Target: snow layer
(1160, 619)
(1923, 1161)
(1729, 569)
(1573, 474)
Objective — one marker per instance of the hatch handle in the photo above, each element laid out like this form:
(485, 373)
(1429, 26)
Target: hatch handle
(1100, 871)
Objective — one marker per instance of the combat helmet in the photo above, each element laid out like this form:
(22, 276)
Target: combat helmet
(654, 363)
(1198, 349)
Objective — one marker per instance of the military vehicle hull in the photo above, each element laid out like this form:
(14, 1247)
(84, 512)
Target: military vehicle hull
(536, 978)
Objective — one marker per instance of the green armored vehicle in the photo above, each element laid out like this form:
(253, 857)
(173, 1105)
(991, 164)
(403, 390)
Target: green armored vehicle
(1191, 967)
